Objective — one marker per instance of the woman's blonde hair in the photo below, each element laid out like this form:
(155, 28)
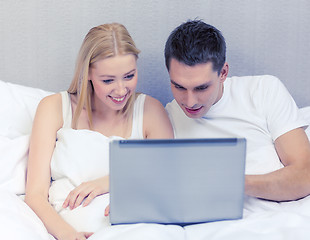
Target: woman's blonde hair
(101, 42)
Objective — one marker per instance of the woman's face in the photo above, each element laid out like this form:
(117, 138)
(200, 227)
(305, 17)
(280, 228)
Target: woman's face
(114, 80)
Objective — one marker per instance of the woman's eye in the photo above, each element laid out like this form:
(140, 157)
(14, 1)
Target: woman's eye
(107, 81)
(129, 76)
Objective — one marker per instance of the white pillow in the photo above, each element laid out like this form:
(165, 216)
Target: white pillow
(18, 107)
(17, 110)
(13, 163)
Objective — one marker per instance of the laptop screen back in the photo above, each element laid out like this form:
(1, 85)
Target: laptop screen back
(176, 181)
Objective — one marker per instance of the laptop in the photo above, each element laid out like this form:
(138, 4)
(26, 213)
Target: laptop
(176, 181)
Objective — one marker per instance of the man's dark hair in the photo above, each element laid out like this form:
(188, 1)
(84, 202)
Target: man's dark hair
(195, 42)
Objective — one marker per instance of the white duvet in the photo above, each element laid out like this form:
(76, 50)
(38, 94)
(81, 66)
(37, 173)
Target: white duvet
(262, 219)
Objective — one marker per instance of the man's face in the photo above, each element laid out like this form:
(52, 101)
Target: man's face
(196, 88)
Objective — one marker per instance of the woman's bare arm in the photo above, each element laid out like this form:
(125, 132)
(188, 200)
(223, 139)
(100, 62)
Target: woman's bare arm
(47, 122)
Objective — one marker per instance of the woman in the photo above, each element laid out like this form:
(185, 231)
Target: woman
(72, 130)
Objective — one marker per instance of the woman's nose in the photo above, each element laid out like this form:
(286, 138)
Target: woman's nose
(121, 88)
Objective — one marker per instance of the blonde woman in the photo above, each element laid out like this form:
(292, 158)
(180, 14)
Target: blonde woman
(71, 132)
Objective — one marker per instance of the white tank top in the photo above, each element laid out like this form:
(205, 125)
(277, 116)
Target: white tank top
(137, 121)
(83, 155)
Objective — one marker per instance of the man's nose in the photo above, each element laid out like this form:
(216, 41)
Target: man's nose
(191, 99)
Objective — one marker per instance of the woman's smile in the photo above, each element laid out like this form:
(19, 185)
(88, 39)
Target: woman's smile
(119, 100)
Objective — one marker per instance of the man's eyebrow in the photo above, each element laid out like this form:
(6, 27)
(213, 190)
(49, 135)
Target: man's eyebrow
(203, 85)
(176, 84)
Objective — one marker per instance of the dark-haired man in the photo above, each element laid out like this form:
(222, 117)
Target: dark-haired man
(259, 108)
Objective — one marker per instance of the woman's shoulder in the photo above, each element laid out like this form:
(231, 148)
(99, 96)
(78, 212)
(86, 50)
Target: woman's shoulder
(153, 108)
(50, 107)
(156, 121)
(151, 102)
(51, 99)
(50, 102)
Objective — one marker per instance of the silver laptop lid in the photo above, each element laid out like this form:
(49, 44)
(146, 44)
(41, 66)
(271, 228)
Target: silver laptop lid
(176, 181)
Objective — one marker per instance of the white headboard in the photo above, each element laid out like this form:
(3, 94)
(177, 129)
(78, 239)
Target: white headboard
(39, 39)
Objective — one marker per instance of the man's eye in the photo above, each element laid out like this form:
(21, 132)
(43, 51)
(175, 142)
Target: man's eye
(129, 77)
(179, 87)
(201, 88)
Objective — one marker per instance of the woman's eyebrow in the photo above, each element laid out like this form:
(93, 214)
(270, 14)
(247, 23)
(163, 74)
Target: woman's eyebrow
(131, 71)
(111, 76)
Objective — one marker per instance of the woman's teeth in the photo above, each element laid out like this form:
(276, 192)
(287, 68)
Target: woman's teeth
(118, 99)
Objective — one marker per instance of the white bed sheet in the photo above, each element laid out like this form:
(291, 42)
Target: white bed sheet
(18, 221)
(262, 219)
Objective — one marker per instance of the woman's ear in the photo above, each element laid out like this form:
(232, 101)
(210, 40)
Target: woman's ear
(89, 73)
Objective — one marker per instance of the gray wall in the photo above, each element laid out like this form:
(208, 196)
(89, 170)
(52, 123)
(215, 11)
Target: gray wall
(39, 39)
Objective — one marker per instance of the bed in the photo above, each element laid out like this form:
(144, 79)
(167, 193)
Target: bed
(262, 219)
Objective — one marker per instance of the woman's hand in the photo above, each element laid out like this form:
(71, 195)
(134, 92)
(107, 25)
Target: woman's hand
(87, 191)
(76, 236)
(107, 211)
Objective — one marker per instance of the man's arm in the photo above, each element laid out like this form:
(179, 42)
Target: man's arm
(293, 180)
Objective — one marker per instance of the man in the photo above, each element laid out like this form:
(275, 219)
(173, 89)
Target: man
(208, 104)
